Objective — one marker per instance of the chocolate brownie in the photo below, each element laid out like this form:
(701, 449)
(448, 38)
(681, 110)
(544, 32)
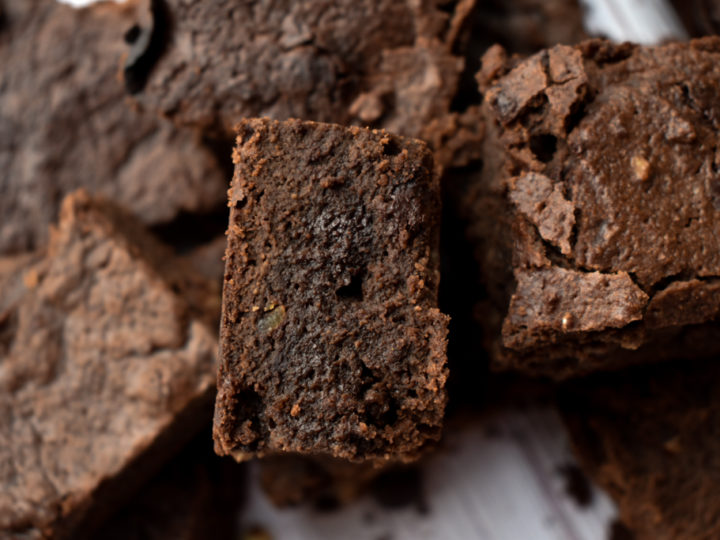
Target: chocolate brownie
(383, 63)
(647, 436)
(331, 341)
(326, 483)
(594, 218)
(105, 368)
(65, 124)
(700, 17)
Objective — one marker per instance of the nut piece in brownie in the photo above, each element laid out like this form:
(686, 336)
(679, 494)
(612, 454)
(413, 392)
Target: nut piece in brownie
(331, 341)
(383, 63)
(595, 217)
(648, 436)
(104, 371)
(65, 124)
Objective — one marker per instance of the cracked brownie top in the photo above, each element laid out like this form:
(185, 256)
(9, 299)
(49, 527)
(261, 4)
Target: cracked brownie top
(607, 159)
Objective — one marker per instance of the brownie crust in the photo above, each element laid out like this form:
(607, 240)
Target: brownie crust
(332, 342)
(65, 124)
(601, 165)
(101, 356)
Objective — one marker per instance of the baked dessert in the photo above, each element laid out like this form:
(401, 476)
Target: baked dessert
(106, 369)
(195, 496)
(595, 215)
(65, 124)
(331, 341)
(646, 435)
(381, 63)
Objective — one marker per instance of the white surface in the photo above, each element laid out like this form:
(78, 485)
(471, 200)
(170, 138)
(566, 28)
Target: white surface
(642, 21)
(496, 479)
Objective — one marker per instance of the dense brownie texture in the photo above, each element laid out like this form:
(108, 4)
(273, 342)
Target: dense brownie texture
(594, 219)
(195, 496)
(648, 436)
(65, 123)
(104, 367)
(383, 63)
(331, 339)
(326, 483)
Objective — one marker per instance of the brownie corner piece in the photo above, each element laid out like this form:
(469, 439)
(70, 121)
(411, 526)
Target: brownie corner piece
(595, 218)
(104, 371)
(331, 340)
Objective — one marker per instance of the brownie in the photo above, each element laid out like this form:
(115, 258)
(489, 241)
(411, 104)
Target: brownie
(647, 436)
(106, 369)
(326, 483)
(381, 63)
(593, 220)
(65, 124)
(700, 17)
(331, 341)
(196, 495)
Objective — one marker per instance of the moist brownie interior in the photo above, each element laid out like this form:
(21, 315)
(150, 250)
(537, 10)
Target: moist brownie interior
(331, 339)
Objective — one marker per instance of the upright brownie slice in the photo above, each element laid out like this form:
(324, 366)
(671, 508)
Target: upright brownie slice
(649, 436)
(331, 341)
(103, 370)
(595, 218)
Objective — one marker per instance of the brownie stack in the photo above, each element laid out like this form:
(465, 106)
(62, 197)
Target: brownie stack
(375, 166)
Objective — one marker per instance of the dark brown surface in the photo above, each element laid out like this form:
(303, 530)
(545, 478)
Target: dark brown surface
(649, 437)
(101, 356)
(331, 339)
(700, 17)
(376, 62)
(196, 496)
(65, 123)
(599, 191)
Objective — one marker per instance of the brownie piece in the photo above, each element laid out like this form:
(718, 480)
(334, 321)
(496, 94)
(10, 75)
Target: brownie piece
(383, 63)
(105, 369)
(594, 217)
(331, 341)
(326, 483)
(647, 436)
(195, 496)
(65, 124)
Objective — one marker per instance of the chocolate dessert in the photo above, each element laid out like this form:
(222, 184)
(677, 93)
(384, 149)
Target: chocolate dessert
(646, 435)
(383, 63)
(594, 218)
(65, 124)
(106, 369)
(331, 341)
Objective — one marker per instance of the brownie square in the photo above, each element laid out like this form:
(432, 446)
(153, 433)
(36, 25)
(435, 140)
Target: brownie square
(65, 124)
(331, 340)
(105, 369)
(595, 217)
(647, 435)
